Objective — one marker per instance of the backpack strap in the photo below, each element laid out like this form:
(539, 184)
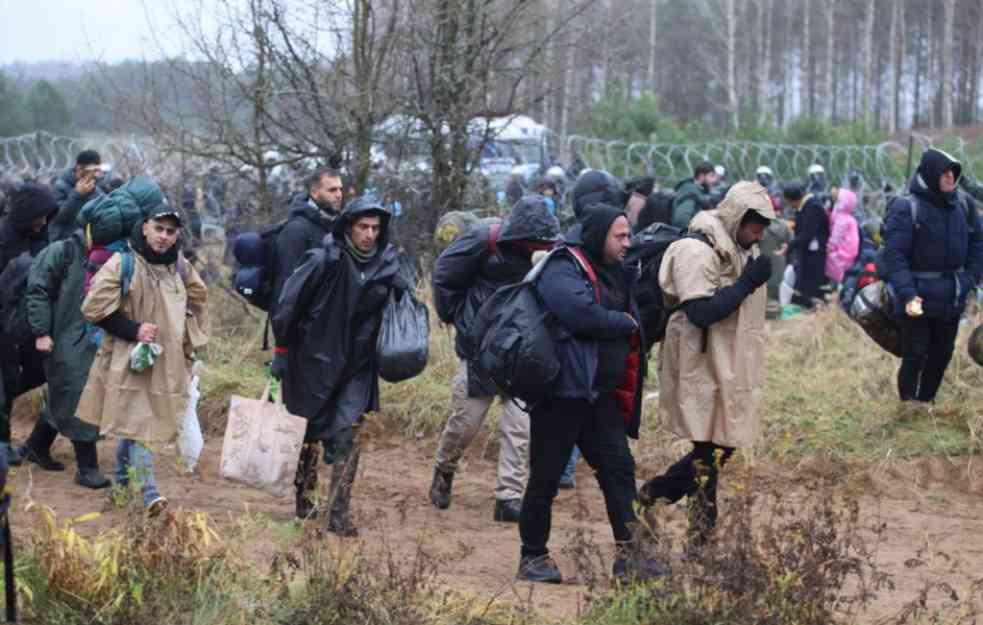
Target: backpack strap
(493, 232)
(581, 259)
(126, 271)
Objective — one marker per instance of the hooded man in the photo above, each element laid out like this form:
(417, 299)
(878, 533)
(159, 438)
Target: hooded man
(159, 300)
(595, 402)
(470, 270)
(808, 246)
(326, 325)
(23, 231)
(712, 361)
(597, 187)
(932, 261)
(73, 189)
(55, 289)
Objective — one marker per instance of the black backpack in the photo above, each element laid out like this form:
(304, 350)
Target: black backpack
(646, 252)
(13, 310)
(255, 252)
(510, 339)
(657, 209)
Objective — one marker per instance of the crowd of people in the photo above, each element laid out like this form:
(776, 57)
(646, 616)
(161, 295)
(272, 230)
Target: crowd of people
(100, 304)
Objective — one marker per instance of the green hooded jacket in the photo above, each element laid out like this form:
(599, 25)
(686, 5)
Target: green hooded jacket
(54, 308)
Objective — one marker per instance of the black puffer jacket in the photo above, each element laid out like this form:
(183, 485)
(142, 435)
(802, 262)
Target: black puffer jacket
(304, 230)
(473, 267)
(328, 319)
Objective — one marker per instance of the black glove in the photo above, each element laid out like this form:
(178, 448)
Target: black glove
(757, 272)
(279, 366)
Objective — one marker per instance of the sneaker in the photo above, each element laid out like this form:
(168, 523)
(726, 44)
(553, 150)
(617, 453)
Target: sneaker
(539, 569)
(158, 505)
(507, 510)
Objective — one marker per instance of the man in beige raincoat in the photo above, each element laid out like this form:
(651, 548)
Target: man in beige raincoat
(712, 356)
(151, 295)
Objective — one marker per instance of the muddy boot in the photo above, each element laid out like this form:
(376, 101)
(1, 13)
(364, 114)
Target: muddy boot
(342, 479)
(37, 449)
(305, 482)
(440, 489)
(88, 473)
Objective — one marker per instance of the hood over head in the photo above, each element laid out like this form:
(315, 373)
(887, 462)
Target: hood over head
(597, 187)
(30, 201)
(846, 202)
(530, 220)
(742, 197)
(934, 163)
(363, 206)
(592, 231)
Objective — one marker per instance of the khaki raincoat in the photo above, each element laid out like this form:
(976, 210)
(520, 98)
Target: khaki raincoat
(714, 396)
(145, 406)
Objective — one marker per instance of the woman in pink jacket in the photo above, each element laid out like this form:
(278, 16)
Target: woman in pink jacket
(844, 236)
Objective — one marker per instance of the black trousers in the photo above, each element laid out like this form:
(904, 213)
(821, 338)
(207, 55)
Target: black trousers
(23, 371)
(695, 475)
(926, 349)
(599, 431)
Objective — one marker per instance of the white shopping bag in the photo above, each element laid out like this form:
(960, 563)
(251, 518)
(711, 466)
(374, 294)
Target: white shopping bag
(787, 288)
(262, 444)
(189, 439)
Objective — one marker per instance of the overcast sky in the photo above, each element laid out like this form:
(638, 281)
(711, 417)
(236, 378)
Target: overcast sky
(81, 30)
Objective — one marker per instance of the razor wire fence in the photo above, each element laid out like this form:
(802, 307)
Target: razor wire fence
(874, 165)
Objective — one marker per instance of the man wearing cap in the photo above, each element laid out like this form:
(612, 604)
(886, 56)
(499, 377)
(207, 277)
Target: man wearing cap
(326, 324)
(712, 360)
(73, 189)
(153, 297)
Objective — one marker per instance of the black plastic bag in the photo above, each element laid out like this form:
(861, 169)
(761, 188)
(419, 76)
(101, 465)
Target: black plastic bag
(404, 338)
(871, 309)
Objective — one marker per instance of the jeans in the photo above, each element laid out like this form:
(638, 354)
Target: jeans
(571, 470)
(926, 349)
(599, 431)
(135, 455)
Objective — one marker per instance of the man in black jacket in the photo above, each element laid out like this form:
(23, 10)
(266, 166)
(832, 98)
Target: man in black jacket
(326, 325)
(311, 217)
(23, 230)
(808, 246)
(73, 189)
(595, 403)
(465, 275)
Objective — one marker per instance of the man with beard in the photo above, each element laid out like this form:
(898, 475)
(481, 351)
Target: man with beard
(712, 361)
(326, 325)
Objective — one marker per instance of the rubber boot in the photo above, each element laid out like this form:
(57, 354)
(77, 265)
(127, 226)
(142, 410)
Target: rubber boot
(343, 472)
(37, 449)
(440, 489)
(88, 474)
(305, 482)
